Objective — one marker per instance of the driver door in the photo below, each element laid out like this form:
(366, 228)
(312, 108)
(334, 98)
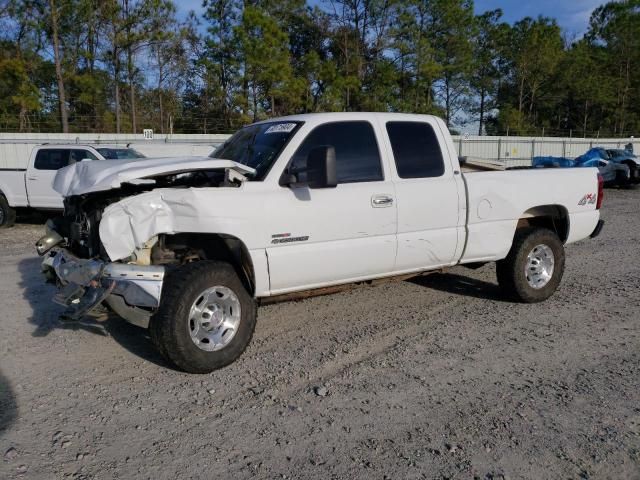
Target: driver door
(40, 177)
(328, 236)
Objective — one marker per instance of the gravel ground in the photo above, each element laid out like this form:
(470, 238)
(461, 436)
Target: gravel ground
(433, 378)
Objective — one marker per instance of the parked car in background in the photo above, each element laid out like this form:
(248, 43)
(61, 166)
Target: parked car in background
(31, 187)
(613, 173)
(628, 158)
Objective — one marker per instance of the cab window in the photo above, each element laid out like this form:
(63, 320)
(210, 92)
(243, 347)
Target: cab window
(357, 154)
(416, 149)
(51, 159)
(78, 155)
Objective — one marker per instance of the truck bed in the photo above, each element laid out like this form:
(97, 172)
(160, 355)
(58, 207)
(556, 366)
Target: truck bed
(12, 186)
(496, 200)
(472, 164)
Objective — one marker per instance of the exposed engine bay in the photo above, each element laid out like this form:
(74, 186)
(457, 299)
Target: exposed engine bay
(80, 222)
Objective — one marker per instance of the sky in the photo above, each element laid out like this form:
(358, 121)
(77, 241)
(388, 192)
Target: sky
(572, 15)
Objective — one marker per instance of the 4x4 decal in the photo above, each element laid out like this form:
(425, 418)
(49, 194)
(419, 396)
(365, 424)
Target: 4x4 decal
(588, 199)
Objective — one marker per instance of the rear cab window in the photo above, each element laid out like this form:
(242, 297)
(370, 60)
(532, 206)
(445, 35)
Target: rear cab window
(357, 154)
(416, 150)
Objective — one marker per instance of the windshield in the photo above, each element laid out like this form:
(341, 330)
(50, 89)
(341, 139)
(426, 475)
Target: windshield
(257, 145)
(119, 153)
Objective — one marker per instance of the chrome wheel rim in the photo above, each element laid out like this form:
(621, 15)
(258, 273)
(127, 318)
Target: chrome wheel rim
(214, 318)
(539, 267)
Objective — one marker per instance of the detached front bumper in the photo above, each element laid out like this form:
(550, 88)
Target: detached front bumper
(132, 291)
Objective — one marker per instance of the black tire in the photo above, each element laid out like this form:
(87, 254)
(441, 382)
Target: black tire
(621, 180)
(154, 335)
(7, 214)
(634, 174)
(169, 329)
(512, 277)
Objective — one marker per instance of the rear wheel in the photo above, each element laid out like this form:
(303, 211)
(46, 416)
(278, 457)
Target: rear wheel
(206, 318)
(7, 214)
(534, 267)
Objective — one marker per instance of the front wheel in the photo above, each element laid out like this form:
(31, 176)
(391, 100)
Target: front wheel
(7, 214)
(206, 317)
(533, 269)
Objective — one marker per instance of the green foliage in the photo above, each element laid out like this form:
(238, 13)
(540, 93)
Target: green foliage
(124, 65)
(267, 67)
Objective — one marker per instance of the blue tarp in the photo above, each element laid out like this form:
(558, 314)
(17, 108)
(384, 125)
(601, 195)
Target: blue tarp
(589, 159)
(553, 162)
(610, 171)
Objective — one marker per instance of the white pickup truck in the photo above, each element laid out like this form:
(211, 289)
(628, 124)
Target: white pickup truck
(31, 187)
(300, 205)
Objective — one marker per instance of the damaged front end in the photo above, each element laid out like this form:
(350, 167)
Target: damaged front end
(101, 249)
(132, 291)
(75, 261)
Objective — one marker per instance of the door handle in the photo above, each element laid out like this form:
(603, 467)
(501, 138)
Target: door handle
(32, 178)
(380, 201)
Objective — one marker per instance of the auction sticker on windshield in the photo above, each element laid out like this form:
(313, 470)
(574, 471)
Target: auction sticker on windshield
(281, 128)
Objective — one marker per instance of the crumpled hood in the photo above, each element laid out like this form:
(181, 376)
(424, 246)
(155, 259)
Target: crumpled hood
(99, 175)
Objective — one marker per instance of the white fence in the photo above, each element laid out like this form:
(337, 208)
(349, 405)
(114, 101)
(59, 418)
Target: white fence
(518, 151)
(15, 148)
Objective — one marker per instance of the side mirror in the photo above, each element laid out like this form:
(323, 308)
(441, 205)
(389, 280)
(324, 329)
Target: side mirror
(321, 167)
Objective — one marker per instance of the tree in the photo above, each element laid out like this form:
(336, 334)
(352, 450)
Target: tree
(101, 65)
(583, 96)
(221, 60)
(451, 28)
(485, 75)
(616, 26)
(267, 68)
(170, 43)
(57, 55)
(143, 21)
(110, 15)
(415, 59)
(18, 88)
(532, 51)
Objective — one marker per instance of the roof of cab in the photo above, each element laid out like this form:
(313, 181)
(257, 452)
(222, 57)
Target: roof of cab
(80, 145)
(337, 116)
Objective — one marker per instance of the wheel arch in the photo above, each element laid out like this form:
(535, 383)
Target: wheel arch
(216, 246)
(553, 217)
(2, 194)
(8, 218)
